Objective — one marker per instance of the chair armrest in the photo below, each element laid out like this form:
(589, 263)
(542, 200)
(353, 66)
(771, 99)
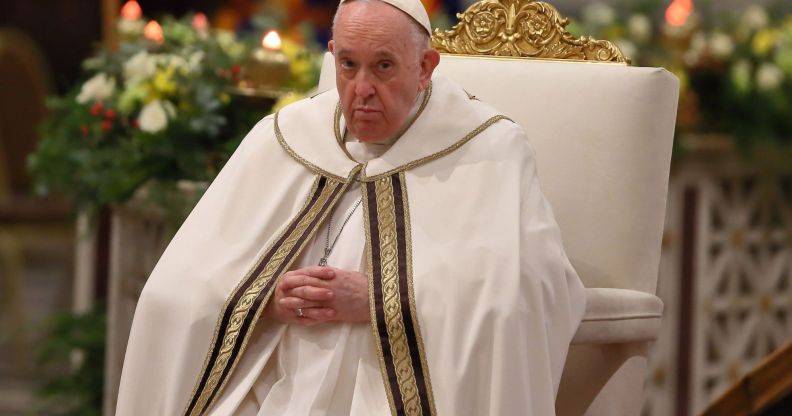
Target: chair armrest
(615, 316)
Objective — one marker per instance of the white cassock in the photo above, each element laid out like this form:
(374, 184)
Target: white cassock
(473, 300)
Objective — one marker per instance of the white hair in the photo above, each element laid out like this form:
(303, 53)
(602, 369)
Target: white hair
(420, 38)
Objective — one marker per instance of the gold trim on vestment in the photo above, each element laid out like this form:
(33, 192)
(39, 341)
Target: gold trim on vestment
(263, 254)
(241, 309)
(411, 293)
(372, 299)
(395, 329)
(301, 233)
(337, 128)
(437, 155)
(391, 297)
(407, 166)
(300, 159)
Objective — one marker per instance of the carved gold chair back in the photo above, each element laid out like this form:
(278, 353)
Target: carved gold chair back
(521, 28)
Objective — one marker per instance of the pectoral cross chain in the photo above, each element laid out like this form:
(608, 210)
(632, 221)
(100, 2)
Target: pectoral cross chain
(323, 260)
(329, 247)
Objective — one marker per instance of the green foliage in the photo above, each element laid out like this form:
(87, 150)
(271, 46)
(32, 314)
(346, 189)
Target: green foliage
(735, 69)
(77, 391)
(152, 112)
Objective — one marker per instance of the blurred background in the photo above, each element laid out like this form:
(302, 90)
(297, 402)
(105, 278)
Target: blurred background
(115, 115)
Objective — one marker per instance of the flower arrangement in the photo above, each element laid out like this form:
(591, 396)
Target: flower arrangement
(735, 68)
(159, 109)
(743, 72)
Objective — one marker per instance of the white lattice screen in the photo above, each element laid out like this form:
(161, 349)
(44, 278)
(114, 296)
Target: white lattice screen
(734, 228)
(743, 289)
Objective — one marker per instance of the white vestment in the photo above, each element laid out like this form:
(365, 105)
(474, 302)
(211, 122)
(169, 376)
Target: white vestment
(473, 300)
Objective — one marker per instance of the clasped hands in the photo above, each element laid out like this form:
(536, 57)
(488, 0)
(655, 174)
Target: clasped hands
(324, 294)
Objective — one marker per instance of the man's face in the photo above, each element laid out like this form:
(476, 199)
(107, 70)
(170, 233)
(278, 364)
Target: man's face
(379, 71)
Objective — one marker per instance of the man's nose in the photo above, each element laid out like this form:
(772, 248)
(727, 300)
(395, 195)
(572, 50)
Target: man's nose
(363, 84)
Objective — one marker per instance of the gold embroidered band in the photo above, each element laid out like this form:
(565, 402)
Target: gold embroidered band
(394, 320)
(246, 303)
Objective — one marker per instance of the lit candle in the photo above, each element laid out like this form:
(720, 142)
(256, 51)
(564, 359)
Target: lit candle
(200, 22)
(678, 12)
(153, 31)
(130, 25)
(131, 11)
(268, 67)
(271, 41)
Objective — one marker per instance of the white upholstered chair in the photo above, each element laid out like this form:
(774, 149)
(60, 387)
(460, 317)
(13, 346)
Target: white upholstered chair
(603, 134)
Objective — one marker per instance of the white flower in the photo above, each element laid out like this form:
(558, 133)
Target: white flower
(98, 88)
(721, 45)
(640, 28)
(741, 76)
(629, 50)
(599, 14)
(175, 61)
(195, 60)
(698, 42)
(153, 117)
(769, 77)
(188, 65)
(139, 67)
(755, 17)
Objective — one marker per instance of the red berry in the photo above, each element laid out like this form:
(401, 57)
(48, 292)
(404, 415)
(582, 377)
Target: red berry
(235, 69)
(107, 125)
(109, 114)
(84, 130)
(135, 124)
(97, 108)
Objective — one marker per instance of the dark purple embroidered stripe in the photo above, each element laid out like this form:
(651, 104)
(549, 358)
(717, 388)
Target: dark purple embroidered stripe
(409, 322)
(376, 270)
(217, 342)
(247, 325)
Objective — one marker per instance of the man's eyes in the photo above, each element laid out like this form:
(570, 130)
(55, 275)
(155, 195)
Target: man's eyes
(380, 66)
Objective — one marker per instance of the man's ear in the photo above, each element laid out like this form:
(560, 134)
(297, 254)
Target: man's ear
(331, 46)
(429, 61)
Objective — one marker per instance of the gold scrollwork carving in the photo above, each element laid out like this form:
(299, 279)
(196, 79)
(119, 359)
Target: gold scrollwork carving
(520, 28)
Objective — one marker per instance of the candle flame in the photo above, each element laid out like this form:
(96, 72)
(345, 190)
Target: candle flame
(131, 10)
(678, 12)
(200, 22)
(153, 31)
(271, 41)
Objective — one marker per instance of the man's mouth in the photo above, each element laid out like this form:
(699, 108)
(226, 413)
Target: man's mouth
(367, 114)
(366, 110)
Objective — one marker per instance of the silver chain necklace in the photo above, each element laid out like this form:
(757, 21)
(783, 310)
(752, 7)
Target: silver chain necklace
(329, 247)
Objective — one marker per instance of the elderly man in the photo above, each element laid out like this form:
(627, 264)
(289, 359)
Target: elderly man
(382, 248)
